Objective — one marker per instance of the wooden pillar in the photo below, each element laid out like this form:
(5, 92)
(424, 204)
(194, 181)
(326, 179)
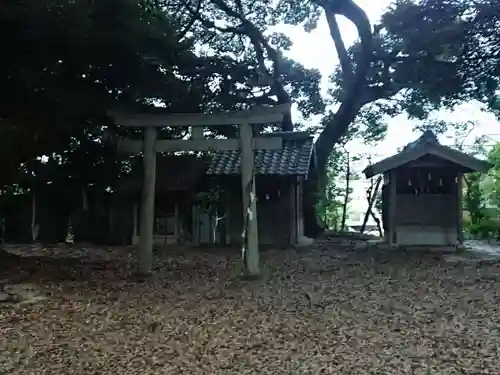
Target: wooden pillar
(145, 255)
(460, 213)
(135, 215)
(293, 208)
(177, 226)
(197, 132)
(196, 226)
(34, 226)
(300, 207)
(392, 208)
(111, 230)
(249, 199)
(227, 227)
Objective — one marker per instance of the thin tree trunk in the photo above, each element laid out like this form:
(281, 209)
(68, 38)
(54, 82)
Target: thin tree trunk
(377, 221)
(347, 187)
(2, 217)
(111, 224)
(371, 197)
(34, 225)
(85, 199)
(367, 213)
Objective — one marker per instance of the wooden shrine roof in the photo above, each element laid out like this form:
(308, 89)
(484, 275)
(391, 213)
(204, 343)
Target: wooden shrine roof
(427, 144)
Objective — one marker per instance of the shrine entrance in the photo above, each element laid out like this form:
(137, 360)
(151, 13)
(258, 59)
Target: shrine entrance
(427, 206)
(166, 218)
(151, 220)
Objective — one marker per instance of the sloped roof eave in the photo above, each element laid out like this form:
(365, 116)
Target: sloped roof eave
(394, 161)
(440, 151)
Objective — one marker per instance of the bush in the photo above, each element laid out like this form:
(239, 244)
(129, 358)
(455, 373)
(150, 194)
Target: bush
(487, 228)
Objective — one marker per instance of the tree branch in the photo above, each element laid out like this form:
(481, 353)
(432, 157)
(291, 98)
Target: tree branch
(350, 105)
(345, 61)
(262, 47)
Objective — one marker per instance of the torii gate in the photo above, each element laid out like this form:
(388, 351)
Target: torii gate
(247, 143)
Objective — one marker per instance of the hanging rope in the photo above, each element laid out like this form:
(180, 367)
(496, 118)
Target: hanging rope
(216, 225)
(248, 216)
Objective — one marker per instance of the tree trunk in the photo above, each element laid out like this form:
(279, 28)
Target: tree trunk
(347, 187)
(367, 213)
(371, 196)
(111, 224)
(349, 108)
(2, 217)
(85, 200)
(34, 226)
(377, 221)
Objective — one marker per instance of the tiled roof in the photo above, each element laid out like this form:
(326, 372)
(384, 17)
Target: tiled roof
(293, 159)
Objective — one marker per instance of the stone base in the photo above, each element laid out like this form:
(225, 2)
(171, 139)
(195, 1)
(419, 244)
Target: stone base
(304, 241)
(383, 245)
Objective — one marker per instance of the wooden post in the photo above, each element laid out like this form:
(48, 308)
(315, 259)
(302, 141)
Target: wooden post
(371, 197)
(111, 223)
(249, 200)
(392, 208)
(294, 217)
(460, 214)
(85, 199)
(196, 226)
(145, 255)
(34, 226)
(197, 132)
(297, 189)
(135, 213)
(177, 231)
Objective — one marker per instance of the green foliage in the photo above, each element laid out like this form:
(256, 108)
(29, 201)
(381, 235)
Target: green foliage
(494, 176)
(485, 229)
(473, 199)
(241, 44)
(331, 206)
(428, 55)
(209, 200)
(481, 200)
(69, 62)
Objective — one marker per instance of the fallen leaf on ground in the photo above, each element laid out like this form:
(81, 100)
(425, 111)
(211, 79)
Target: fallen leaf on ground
(332, 308)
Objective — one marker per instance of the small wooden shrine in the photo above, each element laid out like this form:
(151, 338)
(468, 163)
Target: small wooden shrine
(422, 192)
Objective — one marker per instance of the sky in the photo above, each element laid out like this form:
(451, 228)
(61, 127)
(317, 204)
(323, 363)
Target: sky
(316, 50)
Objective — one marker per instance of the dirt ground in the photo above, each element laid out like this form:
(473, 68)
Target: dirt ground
(328, 309)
